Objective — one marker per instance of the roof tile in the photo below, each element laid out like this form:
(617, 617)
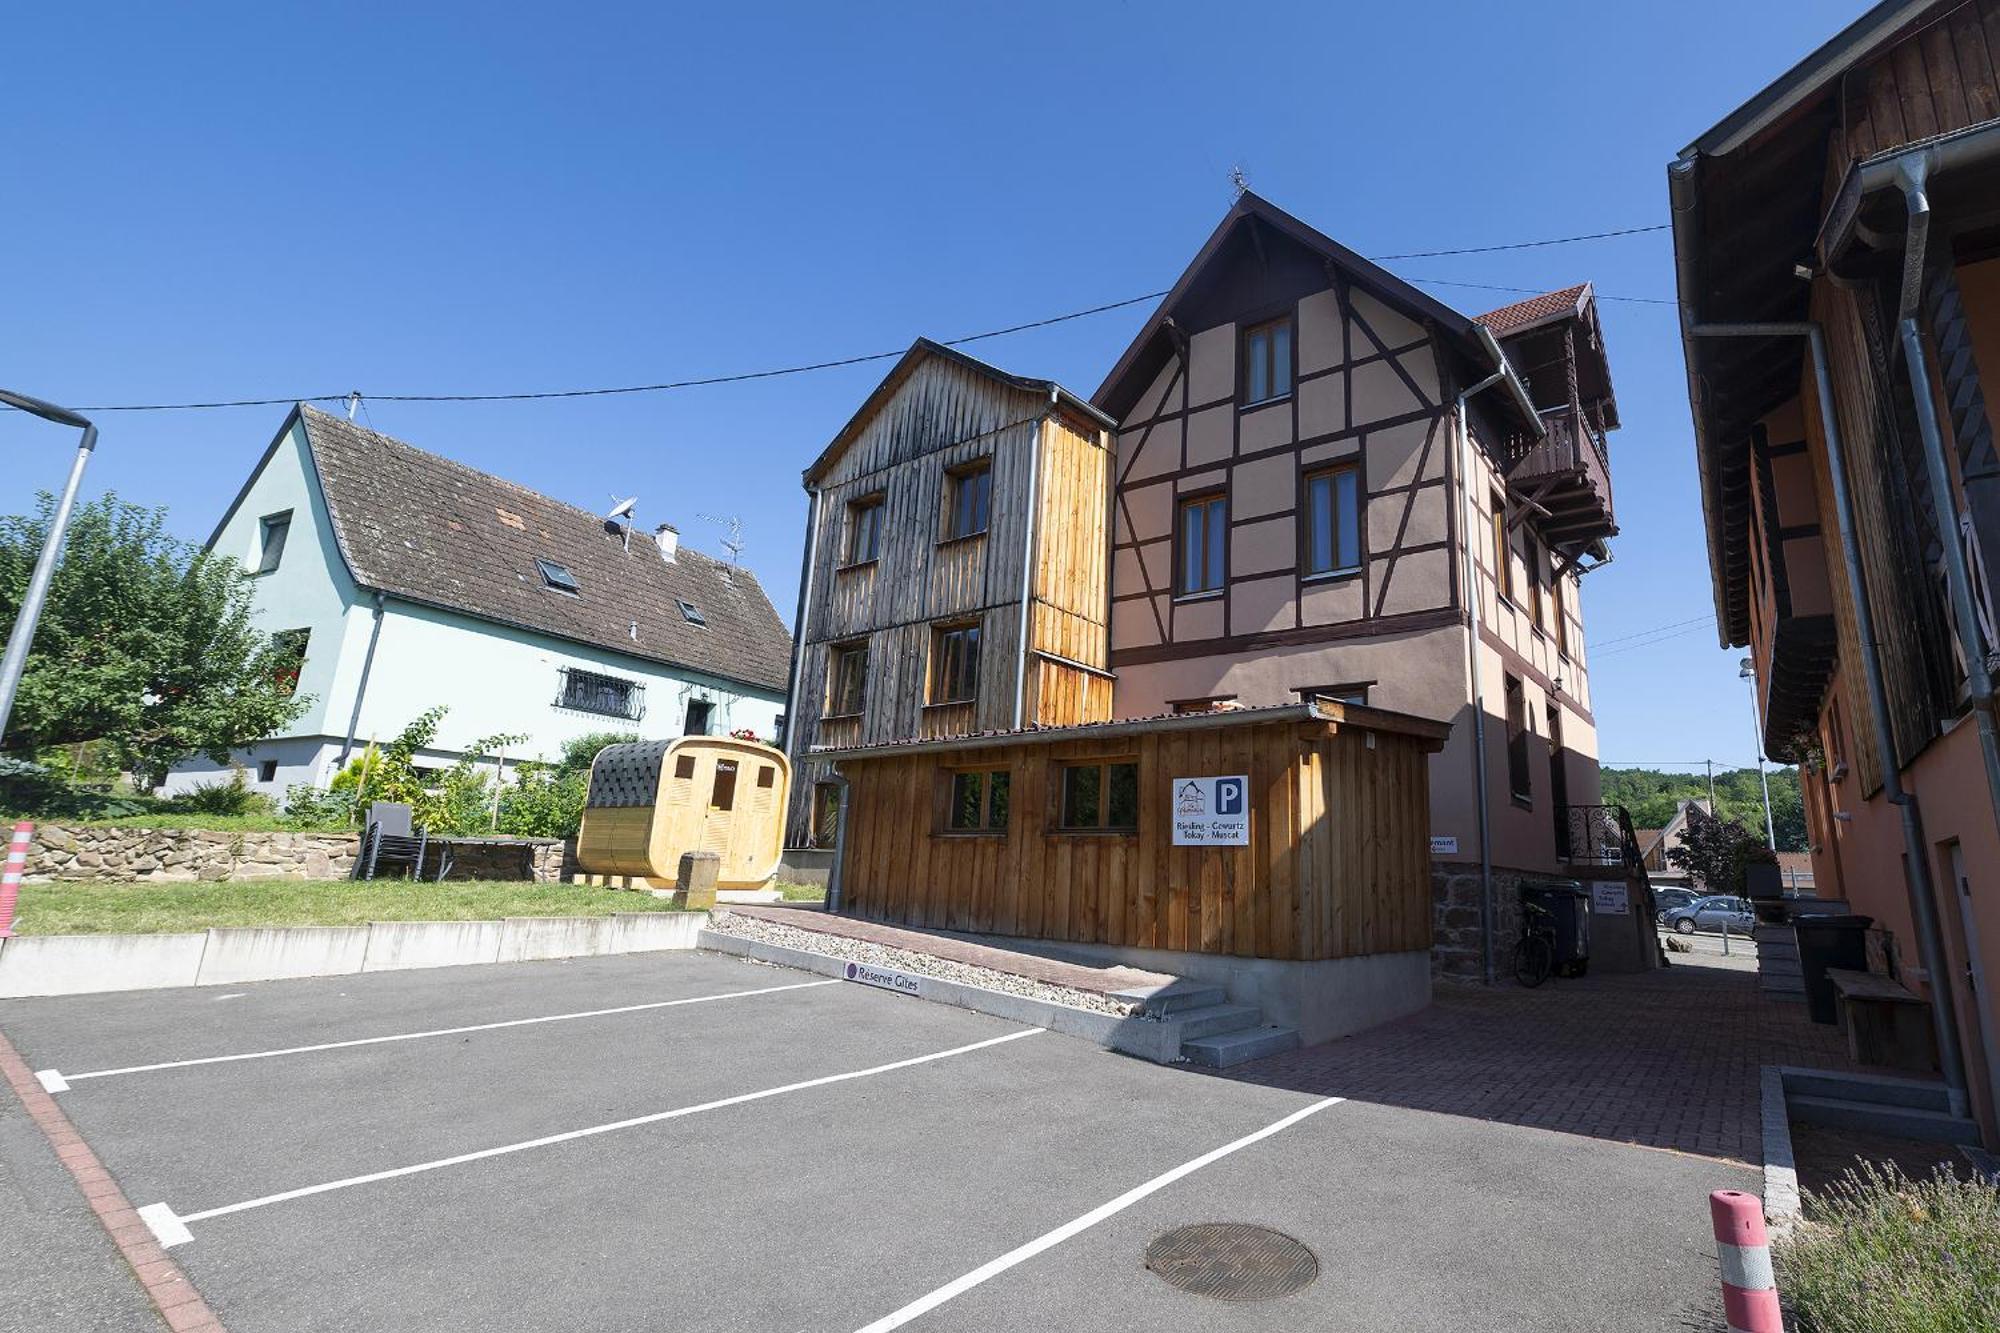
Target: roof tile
(425, 529)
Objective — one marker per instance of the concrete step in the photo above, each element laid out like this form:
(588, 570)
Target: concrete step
(1906, 1122)
(1781, 985)
(1172, 998)
(1778, 967)
(1214, 1019)
(1228, 1049)
(1924, 1094)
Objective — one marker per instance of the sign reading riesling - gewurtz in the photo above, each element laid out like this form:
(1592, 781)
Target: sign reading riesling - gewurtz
(1211, 812)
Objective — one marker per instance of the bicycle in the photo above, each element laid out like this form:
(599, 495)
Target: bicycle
(1535, 953)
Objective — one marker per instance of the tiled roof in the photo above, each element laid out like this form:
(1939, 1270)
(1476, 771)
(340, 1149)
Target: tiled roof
(425, 529)
(1535, 310)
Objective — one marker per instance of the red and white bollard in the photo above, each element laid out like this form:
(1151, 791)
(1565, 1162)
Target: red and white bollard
(10, 879)
(1749, 1290)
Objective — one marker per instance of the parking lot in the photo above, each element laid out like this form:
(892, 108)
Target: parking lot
(685, 1141)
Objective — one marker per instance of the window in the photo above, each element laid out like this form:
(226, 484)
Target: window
(1518, 781)
(690, 612)
(1208, 703)
(267, 771)
(272, 531)
(1099, 798)
(1267, 361)
(699, 711)
(1503, 556)
(722, 796)
(589, 692)
(1204, 529)
(846, 680)
(289, 648)
(825, 813)
(977, 802)
(684, 767)
(1538, 606)
(968, 495)
(1351, 692)
(557, 576)
(1559, 605)
(1333, 520)
(864, 530)
(954, 664)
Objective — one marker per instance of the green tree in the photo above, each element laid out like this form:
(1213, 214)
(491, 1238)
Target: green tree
(145, 644)
(1654, 796)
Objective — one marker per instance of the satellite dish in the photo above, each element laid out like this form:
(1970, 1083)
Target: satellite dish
(623, 509)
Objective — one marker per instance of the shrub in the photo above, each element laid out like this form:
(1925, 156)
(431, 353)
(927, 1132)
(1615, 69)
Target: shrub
(307, 807)
(1878, 1251)
(233, 797)
(39, 792)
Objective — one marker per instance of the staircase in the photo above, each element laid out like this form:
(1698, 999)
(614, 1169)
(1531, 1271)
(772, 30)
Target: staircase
(1778, 974)
(1212, 1032)
(1909, 1108)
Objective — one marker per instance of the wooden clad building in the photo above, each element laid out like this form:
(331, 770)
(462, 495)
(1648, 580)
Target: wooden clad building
(1070, 833)
(955, 575)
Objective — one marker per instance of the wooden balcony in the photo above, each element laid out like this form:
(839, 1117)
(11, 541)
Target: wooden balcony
(1566, 478)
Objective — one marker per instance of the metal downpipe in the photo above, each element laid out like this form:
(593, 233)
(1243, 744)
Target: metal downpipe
(1477, 680)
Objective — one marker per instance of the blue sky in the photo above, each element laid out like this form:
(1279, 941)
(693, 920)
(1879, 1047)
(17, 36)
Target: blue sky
(224, 201)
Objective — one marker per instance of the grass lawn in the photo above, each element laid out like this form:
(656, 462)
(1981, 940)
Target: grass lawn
(110, 909)
(800, 893)
(166, 819)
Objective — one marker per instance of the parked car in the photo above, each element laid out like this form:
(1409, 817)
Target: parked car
(1667, 899)
(1713, 913)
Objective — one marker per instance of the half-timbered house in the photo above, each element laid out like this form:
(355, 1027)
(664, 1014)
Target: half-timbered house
(1331, 484)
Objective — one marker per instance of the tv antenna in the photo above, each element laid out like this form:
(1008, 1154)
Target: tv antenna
(623, 509)
(733, 542)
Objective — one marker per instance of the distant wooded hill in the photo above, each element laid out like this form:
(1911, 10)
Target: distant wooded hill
(1652, 796)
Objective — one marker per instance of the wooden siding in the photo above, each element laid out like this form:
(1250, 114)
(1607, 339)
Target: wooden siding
(1338, 863)
(943, 416)
(1895, 585)
(1945, 76)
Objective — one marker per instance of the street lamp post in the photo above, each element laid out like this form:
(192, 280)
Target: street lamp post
(16, 657)
(1747, 670)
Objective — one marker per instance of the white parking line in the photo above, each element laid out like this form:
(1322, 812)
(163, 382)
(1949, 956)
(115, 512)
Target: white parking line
(171, 1229)
(56, 1081)
(1050, 1239)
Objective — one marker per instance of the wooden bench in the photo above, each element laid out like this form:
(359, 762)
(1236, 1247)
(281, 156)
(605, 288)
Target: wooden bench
(1887, 1025)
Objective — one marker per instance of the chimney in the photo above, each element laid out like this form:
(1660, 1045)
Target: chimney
(668, 538)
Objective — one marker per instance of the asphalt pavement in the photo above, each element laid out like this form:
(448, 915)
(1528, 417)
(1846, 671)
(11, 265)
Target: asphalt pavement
(740, 1147)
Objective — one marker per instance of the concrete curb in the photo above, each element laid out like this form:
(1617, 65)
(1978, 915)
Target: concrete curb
(32, 965)
(1781, 1175)
(1146, 1038)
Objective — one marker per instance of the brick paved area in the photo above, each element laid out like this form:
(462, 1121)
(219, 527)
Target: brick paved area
(1665, 1059)
(1016, 957)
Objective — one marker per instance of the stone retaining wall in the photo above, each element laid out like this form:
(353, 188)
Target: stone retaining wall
(1455, 919)
(133, 855)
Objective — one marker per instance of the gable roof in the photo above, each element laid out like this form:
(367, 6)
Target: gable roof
(423, 529)
(1150, 349)
(1536, 310)
(920, 351)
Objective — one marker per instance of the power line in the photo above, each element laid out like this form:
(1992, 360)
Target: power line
(1538, 291)
(1527, 245)
(840, 362)
(1640, 634)
(1649, 643)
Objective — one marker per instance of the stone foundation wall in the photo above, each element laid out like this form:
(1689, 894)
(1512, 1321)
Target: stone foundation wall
(133, 855)
(1455, 952)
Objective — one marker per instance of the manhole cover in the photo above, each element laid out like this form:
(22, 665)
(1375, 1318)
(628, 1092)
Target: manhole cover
(1232, 1262)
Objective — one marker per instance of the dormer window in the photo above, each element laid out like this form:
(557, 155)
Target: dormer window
(1267, 361)
(558, 577)
(690, 612)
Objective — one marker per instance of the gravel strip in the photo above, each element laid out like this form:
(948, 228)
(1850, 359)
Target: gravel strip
(861, 951)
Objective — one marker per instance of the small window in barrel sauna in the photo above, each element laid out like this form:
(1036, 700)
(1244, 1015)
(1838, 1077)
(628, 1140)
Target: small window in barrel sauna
(723, 795)
(767, 789)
